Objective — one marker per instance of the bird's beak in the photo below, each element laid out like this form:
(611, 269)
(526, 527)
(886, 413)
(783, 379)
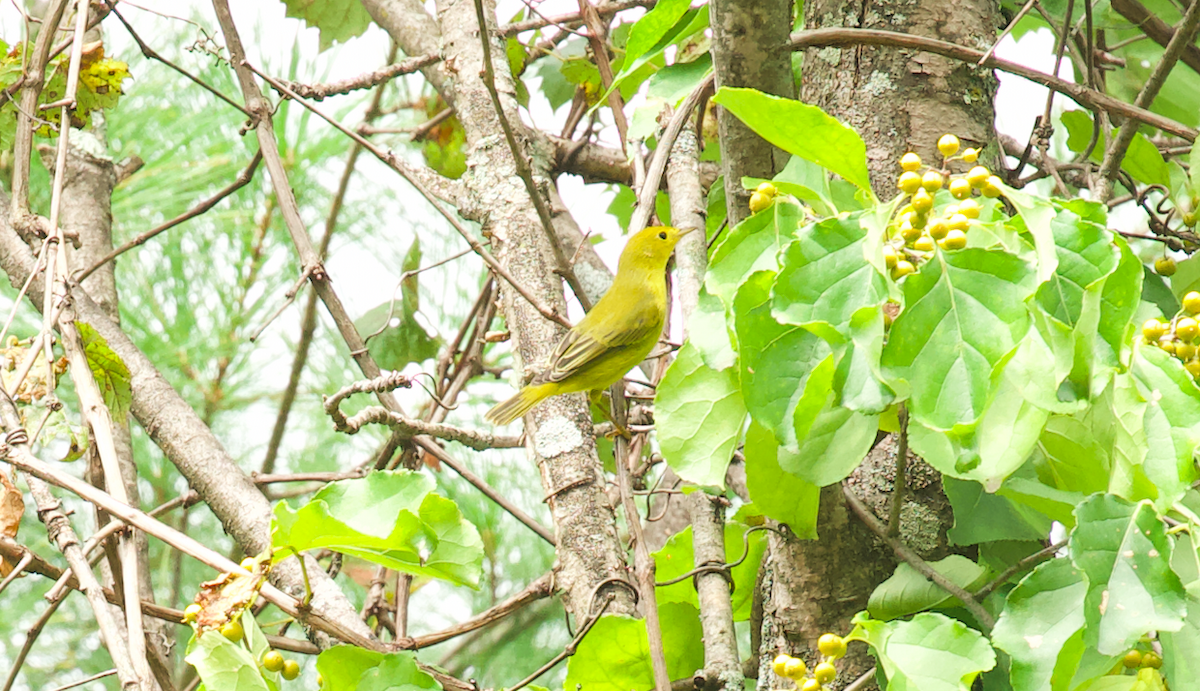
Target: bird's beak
(685, 231)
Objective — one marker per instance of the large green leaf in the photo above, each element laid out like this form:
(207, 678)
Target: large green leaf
(1125, 553)
(337, 20)
(397, 672)
(1172, 422)
(1143, 160)
(776, 361)
(824, 275)
(931, 652)
(1040, 615)
(779, 494)
(800, 129)
(907, 591)
(964, 312)
(709, 332)
(981, 516)
(391, 518)
(858, 381)
(699, 413)
(224, 664)
(1181, 651)
(651, 34)
(751, 246)
(677, 558)
(615, 655)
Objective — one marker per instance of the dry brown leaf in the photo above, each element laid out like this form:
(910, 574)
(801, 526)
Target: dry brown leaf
(12, 507)
(224, 597)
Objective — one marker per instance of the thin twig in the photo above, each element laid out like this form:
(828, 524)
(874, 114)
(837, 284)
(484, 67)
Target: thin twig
(1185, 33)
(81, 682)
(658, 165)
(567, 651)
(905, 553)
(1088, 98)
(901, 484)
(397, 165)
(239, 182)
(1007, 30)
(383, 75)
(1026, 563)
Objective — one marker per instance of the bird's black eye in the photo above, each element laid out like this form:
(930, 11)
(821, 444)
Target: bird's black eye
(662, 235)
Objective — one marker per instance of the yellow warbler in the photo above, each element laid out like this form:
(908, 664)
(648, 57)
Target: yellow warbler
(615, 336)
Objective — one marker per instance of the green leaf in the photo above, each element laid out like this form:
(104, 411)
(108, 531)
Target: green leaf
(824, 275)
(980, 516)
(906, 591)
(776, 361)
(931, 652)
(781, 495)
(1181, 651)
(342, 666)
(668, 23)
(1125, 552)
(391, 518)
(337, 20)
(1143, 160)
(964, 312)
(615, 655)
(397, 672)
(673, 83)
(677, 558)
(1040, 615)
(401, 339)
(109, 371)
(708, 332)
(1172, 422)
(699, 413)
(751, 246)
(1037, 214)
(858, 380)
(800, 129)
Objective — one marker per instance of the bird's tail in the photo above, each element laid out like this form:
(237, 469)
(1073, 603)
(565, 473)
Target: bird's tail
(518, 405)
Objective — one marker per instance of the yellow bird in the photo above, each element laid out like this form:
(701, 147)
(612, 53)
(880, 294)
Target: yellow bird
(615, 336)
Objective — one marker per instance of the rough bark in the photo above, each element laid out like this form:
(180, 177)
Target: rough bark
(898, 99)
(721, 667)
(559, 432)
(411, 27)
(747, 49)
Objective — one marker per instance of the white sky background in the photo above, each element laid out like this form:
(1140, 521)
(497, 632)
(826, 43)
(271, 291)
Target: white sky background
(362, 278)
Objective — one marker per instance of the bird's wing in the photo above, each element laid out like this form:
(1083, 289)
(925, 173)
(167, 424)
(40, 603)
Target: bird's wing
(582, 345)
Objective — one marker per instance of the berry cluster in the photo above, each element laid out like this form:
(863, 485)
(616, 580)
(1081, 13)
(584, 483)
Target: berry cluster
(832, 646)
(763, 197)
(1178, 336)
(1136, 658)
(272, 660)
(918, 228)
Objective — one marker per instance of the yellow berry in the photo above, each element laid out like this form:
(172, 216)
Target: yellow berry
(759, 202)
(272, 661)
(811, 685)
(1167, 345)
(824, 673)
(1152, 660)
(889, 258)
(923, 244)
(902, 269)
(1164, 266)
(780, 665)
(1193, 367)
(970, 155)
(937, 228)
(320, 681)
(1190, 218)
(1186, 329)
(830, 644)
(233, 630)
(969, 208)
(1153, 329)
(191, 613)
(909, 233)
(795, 669)
(978, 176)
(767, 189)
(1132, 659)
(248, 563)
(954, 240)
(948, 145)
(1191, 302)
(932, 181)
(922, 201)
(993, 188)
(291, 669)
(1185, 351)
(910, 161)
(909, 182)
(957, 222)
(960, 188)
(950, 210)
